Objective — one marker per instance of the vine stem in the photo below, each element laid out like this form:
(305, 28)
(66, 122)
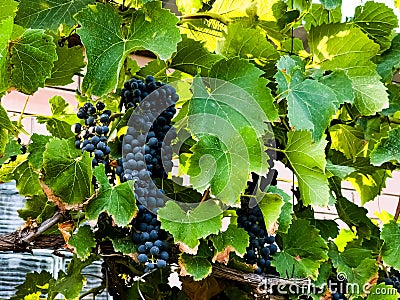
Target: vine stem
(205, 195)
(95, 291)
(56, 218)
(205, 16)
(23, 112)
(397, 214)
(275, 149)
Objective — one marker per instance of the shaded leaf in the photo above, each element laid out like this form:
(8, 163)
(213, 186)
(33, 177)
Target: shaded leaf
(192, 58)
(118, 201)
(348, 140)
(83, 241)
(388, 149)
(34, 282)
(298, 258)
(69, 63)
(389, 60)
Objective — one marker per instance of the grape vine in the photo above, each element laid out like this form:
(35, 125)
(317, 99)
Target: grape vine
(215, 169)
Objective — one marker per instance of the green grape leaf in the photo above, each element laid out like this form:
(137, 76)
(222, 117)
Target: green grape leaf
(210, 154)
(319, 15)
(248, 43)
(300, 5)
(331, 4)
(369, 185)
(340, 47)
(6, 29)
(189, 7)
(56, 127)
(192, 58)
(36, 149)
(124, 245)
(69, 62)
(176, 190)
(348, 140)
(246, 76)
(207, 31)
(5, 122)
(152, 28)
(271, 207)
(230, 9)
(378, 21)
(341, 85)
(46, 14)
(239, 146)
(11, 147)
(311, 104)
(343, 238)
(311, 107)
(358, 265)
(233, 239)
(119, 201)
(383, 292)
(157, 67)
(298, 258)
(24, 174)
(189, 227)
(391, 247)
(34, 282)
(389, 60)
(37, 207)
(82, 242)
(63, 116)
(70, 284)
(387, 149)
(31, 60)
(8, 9)
(308, 161)
(285, 217)
(370, 92)
(67, 172)
(290, 71)
(337, 170)
(198, 267)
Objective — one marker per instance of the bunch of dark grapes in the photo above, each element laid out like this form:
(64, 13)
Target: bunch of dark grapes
(262, 246)
(92, 137)
(151, 241)
(146, 149)
(393, 279)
